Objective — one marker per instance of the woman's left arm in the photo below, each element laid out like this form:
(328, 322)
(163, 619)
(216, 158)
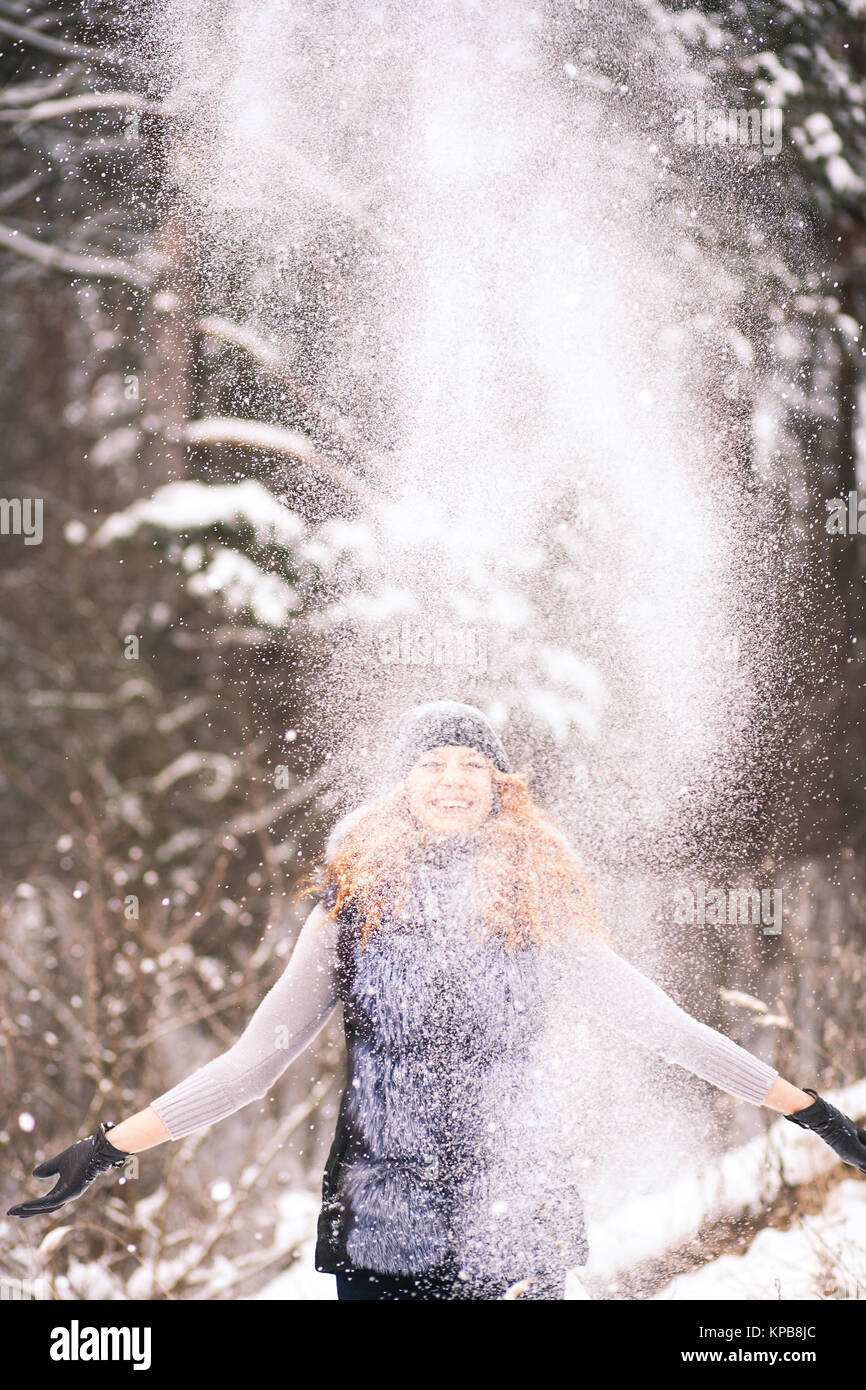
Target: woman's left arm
(628, 1001)
(785, 1097)
(638, 1007)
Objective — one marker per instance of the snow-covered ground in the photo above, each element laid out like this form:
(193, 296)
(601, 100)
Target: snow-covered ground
(302, 1281)
(821, 1256)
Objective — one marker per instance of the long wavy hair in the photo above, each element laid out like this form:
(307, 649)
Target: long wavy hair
(531, 885)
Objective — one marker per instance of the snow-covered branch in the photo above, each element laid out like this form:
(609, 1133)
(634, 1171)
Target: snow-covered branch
(39, 90)
(268, 356)
(22, 189)
(227, 431)
(254, 1172)
(61, 48)
(265, 816)
(85, 101)
(241, 336)
(190, 764)
(73, 262)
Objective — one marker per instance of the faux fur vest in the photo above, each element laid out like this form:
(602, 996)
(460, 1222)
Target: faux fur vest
(446, 1142)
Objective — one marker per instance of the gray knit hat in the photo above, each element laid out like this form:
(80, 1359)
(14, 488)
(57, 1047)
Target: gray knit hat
(443, 722)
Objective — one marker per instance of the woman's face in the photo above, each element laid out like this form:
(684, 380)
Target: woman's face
(451, 788)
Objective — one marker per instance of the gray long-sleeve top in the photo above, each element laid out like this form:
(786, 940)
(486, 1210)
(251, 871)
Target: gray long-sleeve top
(297, 1007)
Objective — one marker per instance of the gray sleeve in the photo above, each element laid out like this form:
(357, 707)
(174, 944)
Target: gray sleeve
(287, 1020)
(614, 991)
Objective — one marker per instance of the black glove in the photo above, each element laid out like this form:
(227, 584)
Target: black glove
(77, 1167)
(836, 1129)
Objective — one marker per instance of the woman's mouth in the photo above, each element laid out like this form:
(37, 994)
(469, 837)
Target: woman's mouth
(452, 806)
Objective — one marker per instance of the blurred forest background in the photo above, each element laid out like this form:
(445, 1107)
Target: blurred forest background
(165, 768)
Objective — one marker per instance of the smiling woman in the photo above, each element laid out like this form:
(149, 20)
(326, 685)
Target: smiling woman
(455, 791)
(449, 906)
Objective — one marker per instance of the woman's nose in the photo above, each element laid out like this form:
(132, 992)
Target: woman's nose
(451, 777)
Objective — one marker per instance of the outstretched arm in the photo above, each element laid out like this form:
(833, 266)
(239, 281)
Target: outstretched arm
(288, 1018)
(285, 1022)
(785, 1097)
(617, 993)
(143, 1130)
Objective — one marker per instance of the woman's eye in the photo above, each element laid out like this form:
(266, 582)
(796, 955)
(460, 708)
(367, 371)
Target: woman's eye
(462, 766)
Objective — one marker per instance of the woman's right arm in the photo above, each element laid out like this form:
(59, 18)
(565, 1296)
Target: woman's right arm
(287, 1020)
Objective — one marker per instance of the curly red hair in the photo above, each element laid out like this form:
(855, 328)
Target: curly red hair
(531, 885)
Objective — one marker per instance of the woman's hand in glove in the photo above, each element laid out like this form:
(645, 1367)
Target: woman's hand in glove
(836, 1129)
(76, 1167)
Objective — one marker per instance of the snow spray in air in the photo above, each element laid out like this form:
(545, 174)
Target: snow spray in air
(464, 255)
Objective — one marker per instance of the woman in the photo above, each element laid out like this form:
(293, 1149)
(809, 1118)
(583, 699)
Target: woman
(449, 909)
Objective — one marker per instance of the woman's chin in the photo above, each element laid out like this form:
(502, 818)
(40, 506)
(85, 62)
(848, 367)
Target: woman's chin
(451, 825)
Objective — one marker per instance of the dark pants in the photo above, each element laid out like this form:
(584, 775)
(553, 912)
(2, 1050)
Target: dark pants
(441, 1282)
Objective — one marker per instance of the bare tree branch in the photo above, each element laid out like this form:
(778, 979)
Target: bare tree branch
(22, 189)
(92, 267)
(86, 101)
(266, 815)
(63, 48)
(19, 9)
(14, 95)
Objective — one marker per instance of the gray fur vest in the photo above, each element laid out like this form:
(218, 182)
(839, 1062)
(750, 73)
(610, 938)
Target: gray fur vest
(446, 1141)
